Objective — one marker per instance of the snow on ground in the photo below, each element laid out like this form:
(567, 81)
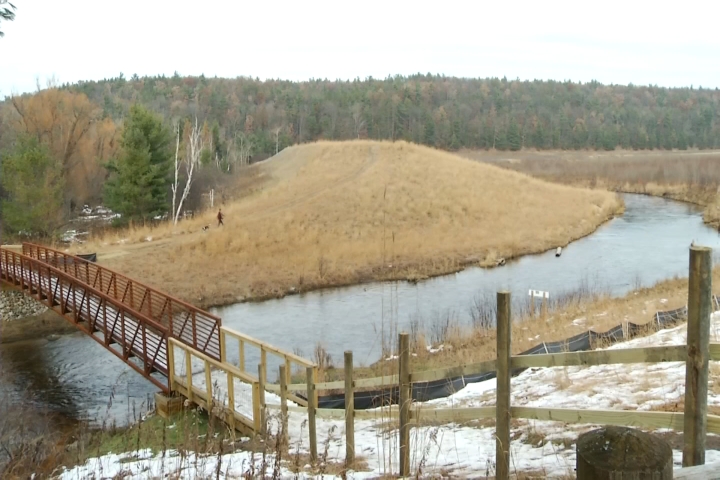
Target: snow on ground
(545, 448)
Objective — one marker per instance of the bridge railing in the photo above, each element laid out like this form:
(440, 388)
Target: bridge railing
(218, 387)
(189, 324)
(248, 346)
(92, 311)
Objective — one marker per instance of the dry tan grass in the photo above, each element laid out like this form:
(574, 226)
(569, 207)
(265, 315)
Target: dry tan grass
(337, 213)
(690, 176)
(602, 313)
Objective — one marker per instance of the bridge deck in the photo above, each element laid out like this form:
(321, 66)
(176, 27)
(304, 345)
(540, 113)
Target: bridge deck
(193, 326)
(133, 337)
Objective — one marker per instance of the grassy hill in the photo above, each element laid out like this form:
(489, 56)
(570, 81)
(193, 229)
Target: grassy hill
(334, 213)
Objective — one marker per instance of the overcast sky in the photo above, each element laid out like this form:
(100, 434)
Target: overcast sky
(673, 44)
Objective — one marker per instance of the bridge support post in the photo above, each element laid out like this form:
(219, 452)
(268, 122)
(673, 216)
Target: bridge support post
(167, 405)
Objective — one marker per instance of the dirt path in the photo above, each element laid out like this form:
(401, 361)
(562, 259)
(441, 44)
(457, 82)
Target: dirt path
(138, 248)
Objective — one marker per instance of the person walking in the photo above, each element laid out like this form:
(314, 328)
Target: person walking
(220, 217)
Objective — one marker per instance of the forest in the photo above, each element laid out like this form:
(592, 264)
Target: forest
(443, 112)
(89, 147)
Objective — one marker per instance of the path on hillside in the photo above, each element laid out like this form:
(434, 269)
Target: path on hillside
(278, 209)
(371, 160)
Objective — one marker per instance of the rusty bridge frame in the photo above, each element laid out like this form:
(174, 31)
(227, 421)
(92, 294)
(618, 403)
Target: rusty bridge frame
(185, 322)
(91, 311)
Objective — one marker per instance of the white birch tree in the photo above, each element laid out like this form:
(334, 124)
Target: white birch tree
(174, 185)
(192, 160)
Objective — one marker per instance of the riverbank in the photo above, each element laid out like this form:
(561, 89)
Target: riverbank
(595, 311)
(192, 434)
(691, 176)
(24, 318)
(344, 213)
(577, 312)
(540, 449)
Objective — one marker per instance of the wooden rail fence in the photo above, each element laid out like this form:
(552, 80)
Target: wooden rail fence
(695, 421)
(154, 327)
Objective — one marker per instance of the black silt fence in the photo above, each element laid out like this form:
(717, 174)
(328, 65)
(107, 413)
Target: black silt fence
(424, 391)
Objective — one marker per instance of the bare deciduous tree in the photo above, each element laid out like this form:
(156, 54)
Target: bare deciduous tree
(277, 138)
(195, 146)
(358, 118)
(243, 147)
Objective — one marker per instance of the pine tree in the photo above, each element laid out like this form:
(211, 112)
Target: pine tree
(140, 176)
(34, 186)
(514, 142)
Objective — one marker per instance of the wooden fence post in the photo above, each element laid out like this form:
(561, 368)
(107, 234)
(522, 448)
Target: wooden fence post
(241, 352)
(171, 364)
(404, 402)
(231, 401)
(311, 401)
(208, 386)
(263, 362)
(188, 368)
(263, 419)
(502, 404)
(698, 342)
(284, 438)
(349, 410)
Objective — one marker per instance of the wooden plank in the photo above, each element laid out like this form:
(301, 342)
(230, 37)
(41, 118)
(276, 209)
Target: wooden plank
(231, 398)
(701, 472)
(244, 376)
(171, 364)
(284, 436)
(208, 384)
(453, 372)
(404, 401)
(386, 381)
(181, 388)
(263, 405)
(452, 414)
(300, 401)
(713, 424)
(698, 344)
(416, 414)
(672, 420)
(268, 347)
(503, 411)
(675, 353)
(339, 413)
(715, 351)
(349, 410)
(188, 373)
(311, 409)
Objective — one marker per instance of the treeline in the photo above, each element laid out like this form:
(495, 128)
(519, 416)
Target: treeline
(443, 112)
(59, 151)
(88, 142)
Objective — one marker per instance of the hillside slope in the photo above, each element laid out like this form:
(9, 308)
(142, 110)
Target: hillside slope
(333, 213)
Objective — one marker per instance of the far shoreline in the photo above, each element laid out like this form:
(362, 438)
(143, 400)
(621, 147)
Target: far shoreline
(399, 276)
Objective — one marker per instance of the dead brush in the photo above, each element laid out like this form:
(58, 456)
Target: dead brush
(323, 360)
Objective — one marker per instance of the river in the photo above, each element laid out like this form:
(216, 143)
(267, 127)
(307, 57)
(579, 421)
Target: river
(77, 379)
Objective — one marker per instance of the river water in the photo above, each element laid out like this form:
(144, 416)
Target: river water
(78, 379)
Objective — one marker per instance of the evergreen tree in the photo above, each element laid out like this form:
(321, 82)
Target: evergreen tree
(140, 176)
(514, 142)
(34, 185)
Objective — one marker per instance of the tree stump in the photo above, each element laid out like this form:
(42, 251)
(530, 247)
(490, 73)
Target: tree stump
(620, 453)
